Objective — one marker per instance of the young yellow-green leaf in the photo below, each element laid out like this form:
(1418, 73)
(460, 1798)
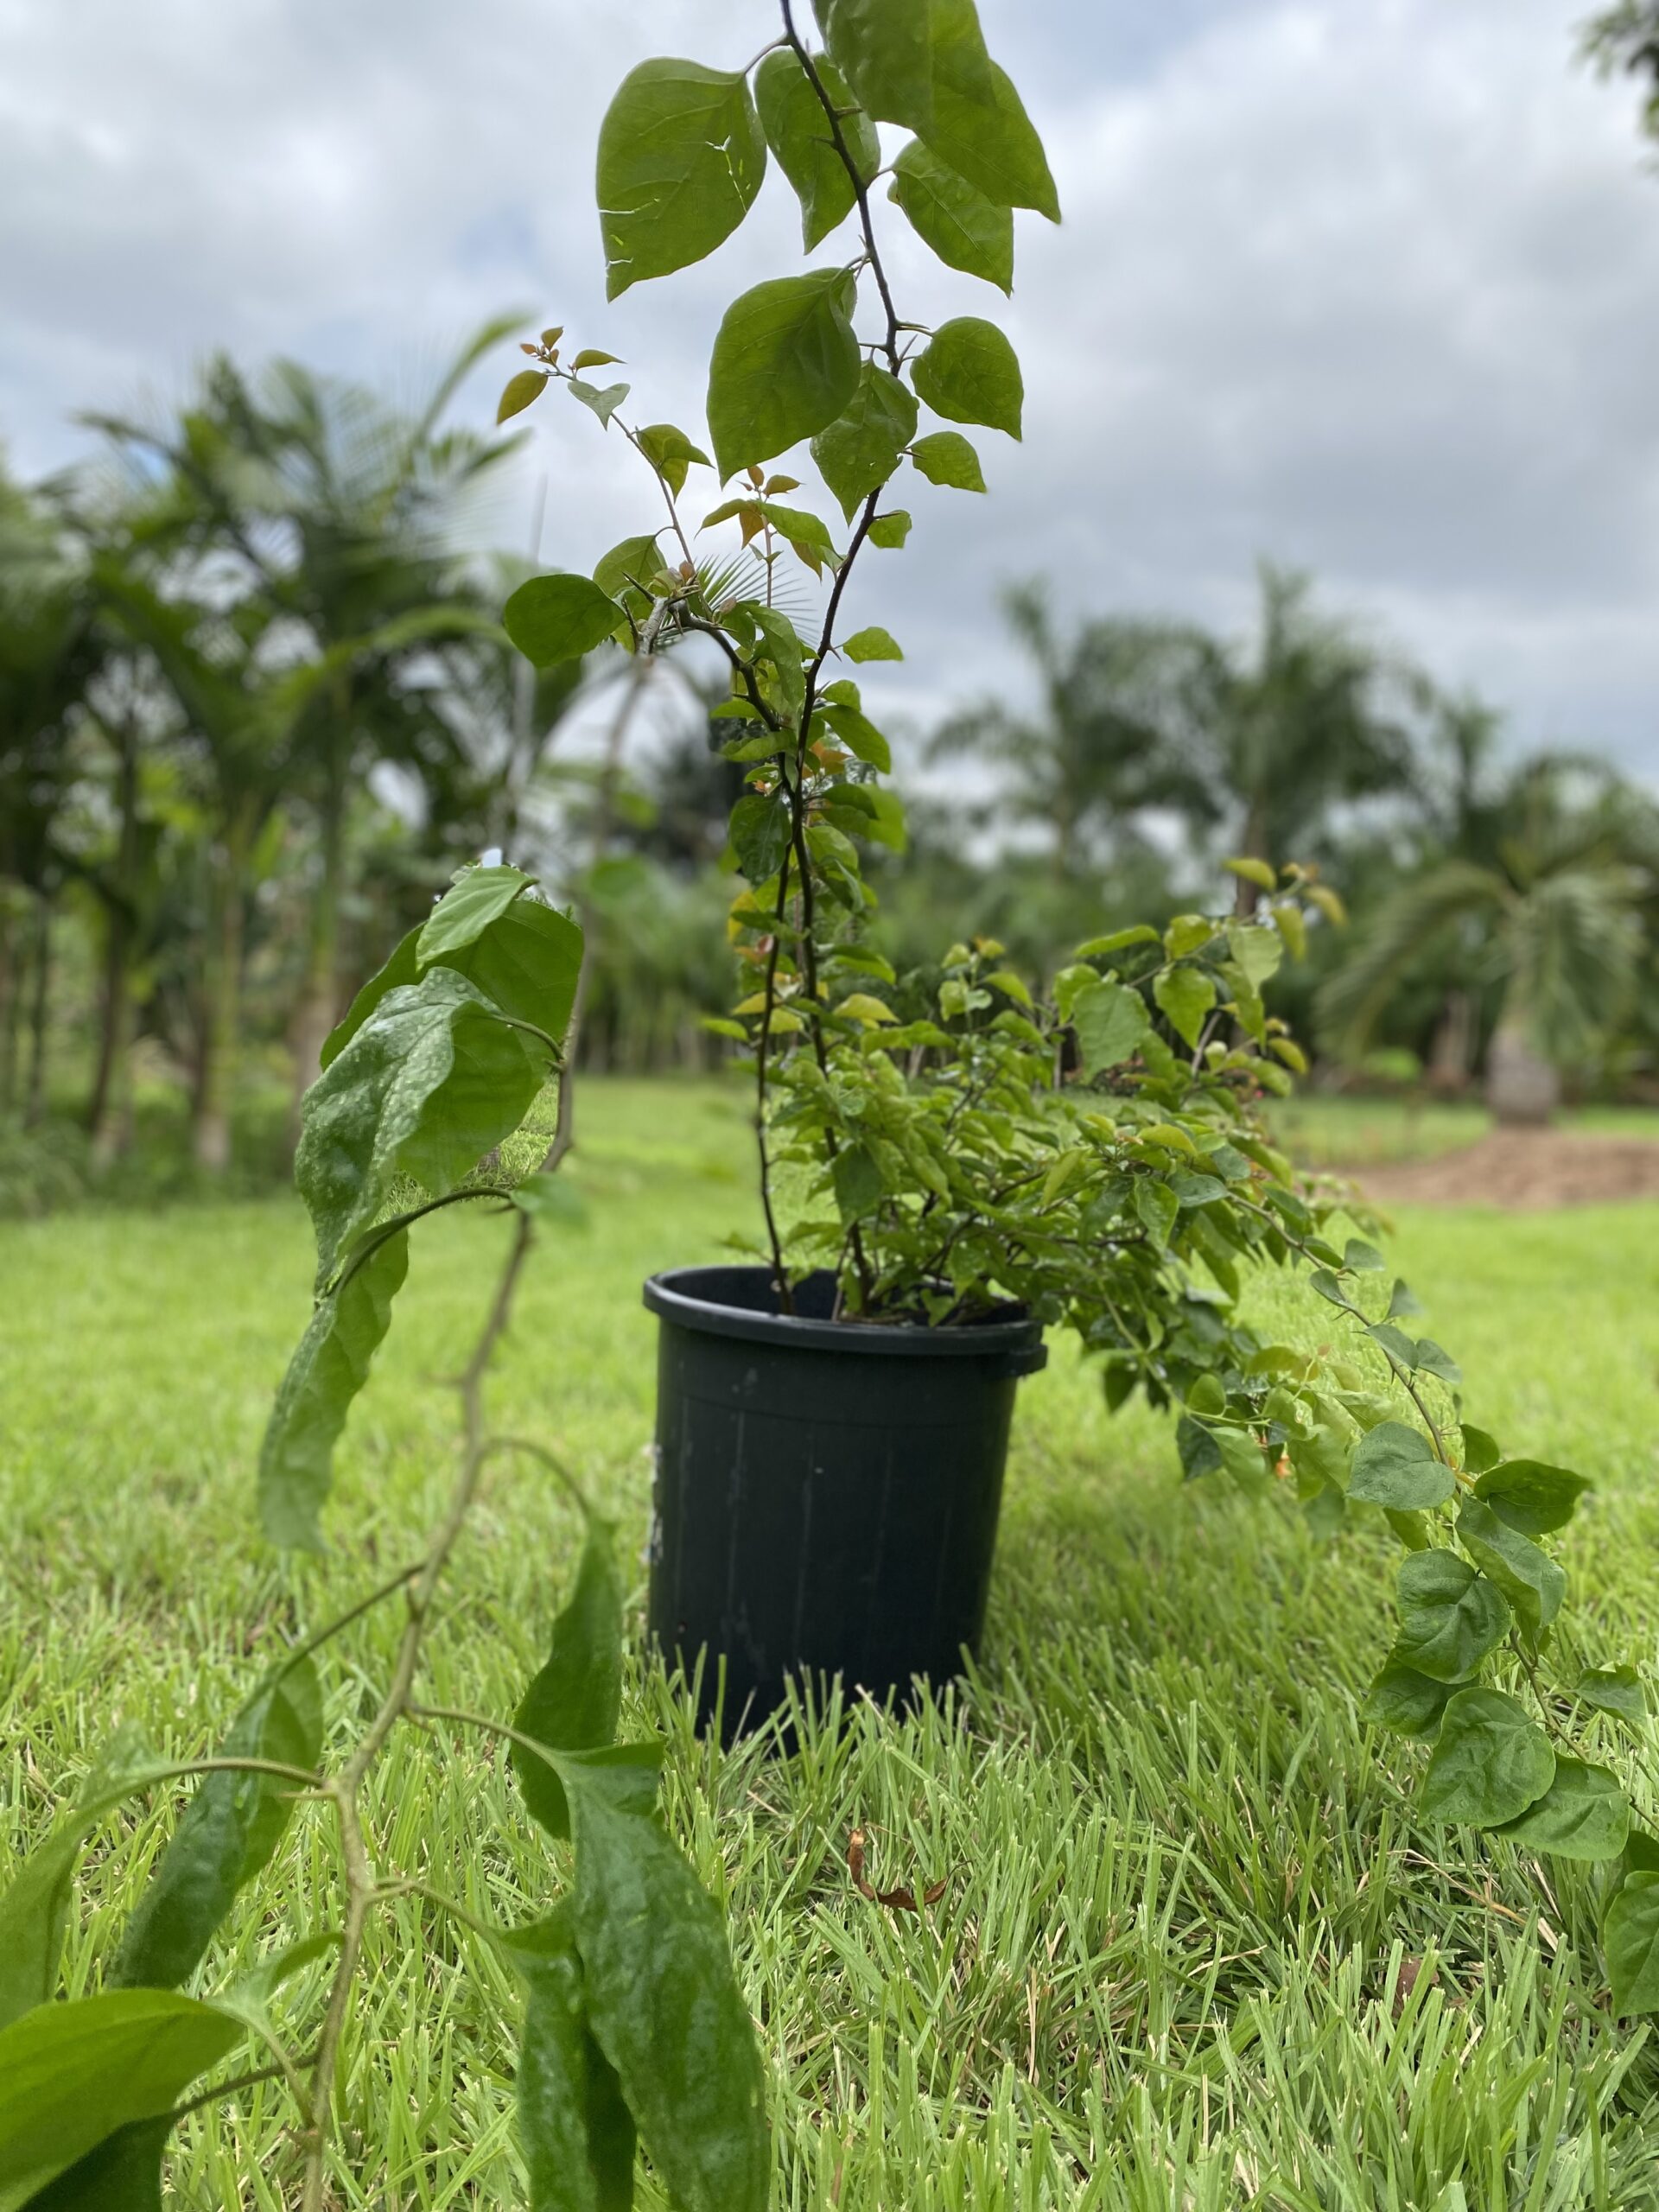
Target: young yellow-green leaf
(1402, 1699)
(1492, 1762)
(1450, 1616)
(226, 1834)
(552, 619)
(966, 230)
(858, 451)
(1290, 924)
(1629, 1936)
(1111, 1023)
(574, 2123)
(593, 357)
(1096, 947)
(785, 363)
(1395, 1467)
(864, 1008)
(330, 1367)
(1189, 933)
(1261, 872)
(945, 457)
(1617, 1690)
(1256, 948)
(662, 2002)
(431, 1081)
(801, 528)
(797, 132)
(1185, 996)
(671, 453)
(760, 834)
(1528, 1494)
(681, 158)
(872, 644)
(521, 392)
(1532, 1582)
(1583, 1814)
(889, 532)
(979, 126)
(72, 2074)
(968, 373)
(573, 1698)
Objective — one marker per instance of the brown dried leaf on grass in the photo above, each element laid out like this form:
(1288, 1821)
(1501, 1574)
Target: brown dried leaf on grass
(902, 1899)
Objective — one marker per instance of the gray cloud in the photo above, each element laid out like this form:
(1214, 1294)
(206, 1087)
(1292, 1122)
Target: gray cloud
(1372, 289)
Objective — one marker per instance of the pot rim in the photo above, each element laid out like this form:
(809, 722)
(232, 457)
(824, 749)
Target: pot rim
(681, 1295)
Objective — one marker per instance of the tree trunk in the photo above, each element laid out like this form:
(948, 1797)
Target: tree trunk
(34, 1099)
(1452, 1049)
(1522, 1088)
(319, 997)
(107, 1114)
(221, 1011)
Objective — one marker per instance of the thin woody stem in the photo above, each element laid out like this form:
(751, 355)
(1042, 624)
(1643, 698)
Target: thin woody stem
(345, 1788)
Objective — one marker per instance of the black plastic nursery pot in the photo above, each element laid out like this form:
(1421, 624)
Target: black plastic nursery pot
(826, 1491)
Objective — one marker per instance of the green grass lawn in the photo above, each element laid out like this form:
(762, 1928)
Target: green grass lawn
(1325, 1129)
(1181, 1877)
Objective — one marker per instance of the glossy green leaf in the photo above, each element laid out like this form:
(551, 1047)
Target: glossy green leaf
(1395, 1467)
(1617, 1690)
(872, 644)
(225, 1835)
(1491, 1763)
(1111, 1023)
(797, 130)
(1583, 1814)
(1156, 1207)
(681, 158)
(945, 457)
(72, 2074)
(122, 2174)
(890, 530)
(968, 373)
(664, 2004)
(477, 898)
(1629, 1936)
(1450, 1616)
(526, 962)
(979, 126)
(885, 49)
(1402, 1699)
(966, 230)
(35, 1907)
(573, 1701)
(574, 2127)
(1185, 996)
(430, 1082)
(403, 966)
(780, 647)
(858, 734)
(1532, 1582)
(1529, 1495)
(559, 618)
(760, 835)
(859, 451)
(671, 453)
(785, 363)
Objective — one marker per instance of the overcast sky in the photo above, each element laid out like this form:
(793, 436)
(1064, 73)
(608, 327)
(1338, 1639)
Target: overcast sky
(1371, 286)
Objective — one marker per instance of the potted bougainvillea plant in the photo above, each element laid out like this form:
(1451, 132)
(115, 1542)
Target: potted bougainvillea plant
(949, 1164)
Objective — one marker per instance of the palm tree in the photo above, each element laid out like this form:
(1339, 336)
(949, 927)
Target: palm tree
(1103, 746)
(343, 514)
(1299, 723)
(1626, 37)
(1549, 924)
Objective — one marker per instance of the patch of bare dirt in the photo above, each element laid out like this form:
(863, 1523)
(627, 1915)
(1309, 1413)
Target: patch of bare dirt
(1523, 1171)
